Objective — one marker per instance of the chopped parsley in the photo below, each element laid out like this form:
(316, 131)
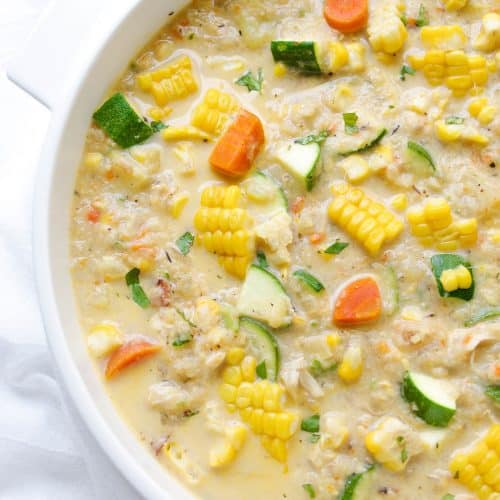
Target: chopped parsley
(310, 490)
(350, 123)
(251, 82)
(423, 17)
(406, 70)
(182, 339)
(404, 453)
(336, 248)
(138, 294)
(493, 392)
(454, 120)
(317, 138)
(185, 318)
(185, 242)
(310, 424)
(262, 260)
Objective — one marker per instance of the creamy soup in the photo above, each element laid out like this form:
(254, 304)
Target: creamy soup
(285, 244)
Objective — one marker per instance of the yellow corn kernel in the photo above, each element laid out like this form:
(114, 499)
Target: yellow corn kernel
(417, 61)
(471, 134)
(222, 455)
(449, 37)
(103, 339)
(209, 120)
(177, 204)
(275, 447)
(273, 397)
(356, 168)
(386, 31)
(339, 56)
(232, 375)
(236, 435)
(488, 38)
(373, 243)
(258, 393)
(280, 70)
(248, 366)
(381, 158)
(184, 133)
(221, 196)
(415, 215)
(399, 202)
(227, 392)
(256, 421)
(93, 160)
(159, 114)
(447, 246)
(448, 132)
(351, 367)
(237, 266)
(244, 395)
(235, 355)
(333, 340)
(223, 219)
(246, 414)
(476, 105)
(356, 53)
(286, 425)
(486, 115)
(438, 213)
(455, 4)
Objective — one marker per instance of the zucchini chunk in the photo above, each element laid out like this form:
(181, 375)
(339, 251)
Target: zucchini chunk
(121, 122)
(303, 56)
(264, 344)
(265, 193)
(358, 485)
(432, 400)
(263, 297)
(301, 160)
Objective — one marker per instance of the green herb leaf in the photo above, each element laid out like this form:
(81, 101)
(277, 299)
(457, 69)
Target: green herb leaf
(493, 392)
(317, 138)
(404, 19)
(422, 152)
(406, 70)
(314, 438)
(185, 242)
(368, 145)
(483, 315)
(448, 496)
(310, 490)
(310, 424)
(251, 82)
(336, 248)
(317, 369)
(182, 339)
(138, 294)
(404, 455)
(261, 370)
(444, 261)
(262, 260)
(350, 123)
(454, 120)
(423, 17)
(309, 280)
(157, 126)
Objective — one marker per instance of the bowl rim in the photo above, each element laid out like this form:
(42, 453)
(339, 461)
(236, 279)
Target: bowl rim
(72, 382)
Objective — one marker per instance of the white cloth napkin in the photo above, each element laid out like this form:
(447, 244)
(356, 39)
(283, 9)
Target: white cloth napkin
(46, 453)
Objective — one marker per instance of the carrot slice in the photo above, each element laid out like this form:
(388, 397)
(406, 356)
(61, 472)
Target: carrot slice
(237, 149)
(358, 303)
(129, 353)
(346, 16)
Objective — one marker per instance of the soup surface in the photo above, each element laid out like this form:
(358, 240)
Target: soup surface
(285, 244)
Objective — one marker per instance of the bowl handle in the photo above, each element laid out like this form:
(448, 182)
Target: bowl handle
(41, 67)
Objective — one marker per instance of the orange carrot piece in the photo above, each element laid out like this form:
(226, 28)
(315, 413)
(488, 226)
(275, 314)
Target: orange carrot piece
(129, 353)
(93, 215)
(347, 16)
(298, 204)
(358, 303)
(316, 238)
(237, 149)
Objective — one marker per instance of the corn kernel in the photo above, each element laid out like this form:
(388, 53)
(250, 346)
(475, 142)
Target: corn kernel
(244, 395)
(333, 340)
(235, 355)
(222, 455)
(227, 393)
(451, 37)
(455, 4)
(486, 115)
(399, 202)
(355, 168)
(236, 435)
(93, 160)
(351, 367)
(103, 339)
(280, 70)
(248, 366)
(232, 375)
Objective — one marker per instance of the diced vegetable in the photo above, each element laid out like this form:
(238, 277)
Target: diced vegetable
(251, 82)
(454, 276)
(182, 339)
(238, 147)
(301, 160)
(185, 242)
(307, 278)
(265, 192)
(483, 315)
(419, 150)
(350, 123)
(310, 424)
(303, 56)
(358, 303)
(433, 400)
(493, 392)
(263, 297)
(121, 122)
(346, 16)
(138, 294)
(266, 346)
(128, 354)
(358, 485)
(368, 145)
(103, 339)
(317, 369)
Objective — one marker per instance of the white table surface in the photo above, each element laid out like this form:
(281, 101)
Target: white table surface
(45, 451)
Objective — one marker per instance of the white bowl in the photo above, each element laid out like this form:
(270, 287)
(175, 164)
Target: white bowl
(113, 45)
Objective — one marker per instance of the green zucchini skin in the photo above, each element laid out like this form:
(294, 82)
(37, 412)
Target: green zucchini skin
(121, 122)
(354, 485)
(302, 56)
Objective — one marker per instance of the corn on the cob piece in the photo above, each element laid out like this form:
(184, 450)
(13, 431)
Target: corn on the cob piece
(460, 72)
(481, 110)
(103, 339)
(448, 37)
(365, 220)
(479, 468)
(453, 279)
(489, 36)
(386, 31)
(351, 367)
(260, 404)
(174, 81)
(455, 4)
(224, 229)
(433, 225)
(213, 112)
(451, 132)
